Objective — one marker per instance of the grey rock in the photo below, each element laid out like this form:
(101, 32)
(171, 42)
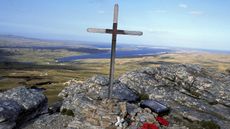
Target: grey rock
(7, 125)
(55, 107)
(178, 127)
(133, 109)
(28, 98)
(19, 105)
(9, 110)
(99, 80)
(92, 113)
(121, 92)
(155, 106)
(199, 93)
(73, 88)
(194, 94)
(146, 117)
(46, 121)
(97, 88)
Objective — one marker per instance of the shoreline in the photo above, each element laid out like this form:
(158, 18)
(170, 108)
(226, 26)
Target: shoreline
(119, 55)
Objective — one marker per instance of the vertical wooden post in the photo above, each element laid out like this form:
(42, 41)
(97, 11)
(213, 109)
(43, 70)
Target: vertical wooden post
(113, 51)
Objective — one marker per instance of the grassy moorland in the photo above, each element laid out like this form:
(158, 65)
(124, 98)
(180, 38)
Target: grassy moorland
(38, 67)
(38, 56)
(53, 75)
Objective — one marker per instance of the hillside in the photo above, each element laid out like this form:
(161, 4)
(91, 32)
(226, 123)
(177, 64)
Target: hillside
(20, 41)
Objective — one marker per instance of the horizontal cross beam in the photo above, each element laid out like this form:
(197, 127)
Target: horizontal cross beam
(110, 31)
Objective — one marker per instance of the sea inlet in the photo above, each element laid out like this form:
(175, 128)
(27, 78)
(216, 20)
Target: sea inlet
(120, 53)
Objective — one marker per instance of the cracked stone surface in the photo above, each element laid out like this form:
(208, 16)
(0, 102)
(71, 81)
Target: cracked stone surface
(19, 105)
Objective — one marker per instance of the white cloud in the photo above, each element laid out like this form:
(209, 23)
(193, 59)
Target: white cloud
(196, 13)
(183, 6)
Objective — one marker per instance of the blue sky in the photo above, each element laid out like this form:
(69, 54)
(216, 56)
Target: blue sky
(180, 23)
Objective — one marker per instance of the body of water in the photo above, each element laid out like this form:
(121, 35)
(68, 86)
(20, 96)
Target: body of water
(1, 78)
(120, 54)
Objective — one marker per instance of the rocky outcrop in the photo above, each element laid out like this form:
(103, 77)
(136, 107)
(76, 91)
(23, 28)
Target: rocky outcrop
(193, 93)
(197, 98)
(19, 105)
(97, 88)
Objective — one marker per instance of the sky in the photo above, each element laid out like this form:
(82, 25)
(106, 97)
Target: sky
(179, 23)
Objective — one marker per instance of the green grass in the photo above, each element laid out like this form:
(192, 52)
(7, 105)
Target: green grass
(143, 96)
(67, 112)
(209, 125)
(41, 72)
(38, 56)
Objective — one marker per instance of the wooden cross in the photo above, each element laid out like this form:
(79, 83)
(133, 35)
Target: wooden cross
(114, 33)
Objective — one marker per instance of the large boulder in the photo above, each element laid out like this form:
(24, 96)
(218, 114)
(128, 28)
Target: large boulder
(19, 105)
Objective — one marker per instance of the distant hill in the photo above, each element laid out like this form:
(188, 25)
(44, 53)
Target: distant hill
(27, 42)
(12, 42)
(20, 41)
